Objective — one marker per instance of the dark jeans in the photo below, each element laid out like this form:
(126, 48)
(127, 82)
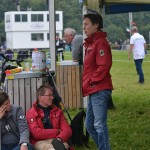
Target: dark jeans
(138, 64)
(15, 147)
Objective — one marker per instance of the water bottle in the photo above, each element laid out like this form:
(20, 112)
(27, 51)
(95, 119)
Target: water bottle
(60, 57)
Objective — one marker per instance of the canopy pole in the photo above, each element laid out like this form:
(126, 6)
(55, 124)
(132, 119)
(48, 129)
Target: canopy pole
(130, 21)
(84, 11)
(52, 34)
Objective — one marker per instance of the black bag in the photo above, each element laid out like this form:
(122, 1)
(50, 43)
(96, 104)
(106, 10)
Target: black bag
(80, 136)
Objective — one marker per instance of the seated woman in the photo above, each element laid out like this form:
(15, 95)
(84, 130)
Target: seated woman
(47, 124)
(14, 128)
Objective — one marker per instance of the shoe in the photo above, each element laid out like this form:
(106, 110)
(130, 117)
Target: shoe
(141, 82)
(58, 145)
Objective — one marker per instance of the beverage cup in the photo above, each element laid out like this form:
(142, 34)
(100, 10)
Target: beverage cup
(27, 66)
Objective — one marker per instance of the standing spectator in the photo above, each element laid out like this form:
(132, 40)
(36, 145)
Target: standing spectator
(1, 58)
(47, 124)
(119, 41)
(60, 43)
(96, 79)
(137, 47)
(14, 128)
(76, 41)
(60, 47)
(3, 43)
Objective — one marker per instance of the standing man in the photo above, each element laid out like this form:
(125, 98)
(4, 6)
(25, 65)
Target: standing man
(137, 47)
(60, 46)
(13, 126)
(96, 79)
(76, 41)
(47, 124)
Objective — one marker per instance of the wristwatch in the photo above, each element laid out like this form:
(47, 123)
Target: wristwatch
(24, 144)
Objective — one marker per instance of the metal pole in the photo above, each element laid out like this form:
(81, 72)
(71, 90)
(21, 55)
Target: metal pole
(130, 21)
(18, 7)
(149, 37)
(84, 11)
(18, 4)
(52, 29)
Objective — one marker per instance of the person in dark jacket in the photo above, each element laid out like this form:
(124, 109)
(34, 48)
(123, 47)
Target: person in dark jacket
(60, 47)
(47, 124)
(14, 127)
(96, 79)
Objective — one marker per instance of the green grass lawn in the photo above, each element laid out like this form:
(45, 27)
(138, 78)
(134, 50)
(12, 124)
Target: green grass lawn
(129, 123)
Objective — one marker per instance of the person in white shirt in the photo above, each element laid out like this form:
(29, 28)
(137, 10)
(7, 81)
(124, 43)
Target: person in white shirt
(137, 47)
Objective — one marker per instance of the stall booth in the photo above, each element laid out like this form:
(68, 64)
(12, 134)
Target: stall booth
(22, 86)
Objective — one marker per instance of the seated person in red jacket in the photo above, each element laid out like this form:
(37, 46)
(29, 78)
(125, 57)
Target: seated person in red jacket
(48, 126)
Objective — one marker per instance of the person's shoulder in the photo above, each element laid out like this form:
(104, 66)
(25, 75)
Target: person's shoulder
(141, 35)
(137, 34)
(79, 36)
(31, 113)
(16, 110)
(133, 36)
(15, 107)
(56, 110)
(31, 110)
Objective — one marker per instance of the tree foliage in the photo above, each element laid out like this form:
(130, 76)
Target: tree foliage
(5, 5)
(72, 12)
(115, 25)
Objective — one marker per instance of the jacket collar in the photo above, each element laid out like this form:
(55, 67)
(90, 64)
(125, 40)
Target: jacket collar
(53, 107)
(94, 37)
(44, 108)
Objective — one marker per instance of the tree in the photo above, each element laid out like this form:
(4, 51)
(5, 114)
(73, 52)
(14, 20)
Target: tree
(5, 5)
(114, 24)
(72, 13)
(114, 32)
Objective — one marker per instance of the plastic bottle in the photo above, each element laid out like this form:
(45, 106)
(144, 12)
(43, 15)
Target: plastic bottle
(12, 71)
(60, 56)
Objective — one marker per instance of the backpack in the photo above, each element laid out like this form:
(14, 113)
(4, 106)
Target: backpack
(80, 136)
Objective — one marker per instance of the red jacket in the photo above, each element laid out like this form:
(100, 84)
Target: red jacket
(97, 63)
(61, 128)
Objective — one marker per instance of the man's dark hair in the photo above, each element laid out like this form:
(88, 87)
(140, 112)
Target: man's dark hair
(41, 90)
(3, 97)
(95, 19)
